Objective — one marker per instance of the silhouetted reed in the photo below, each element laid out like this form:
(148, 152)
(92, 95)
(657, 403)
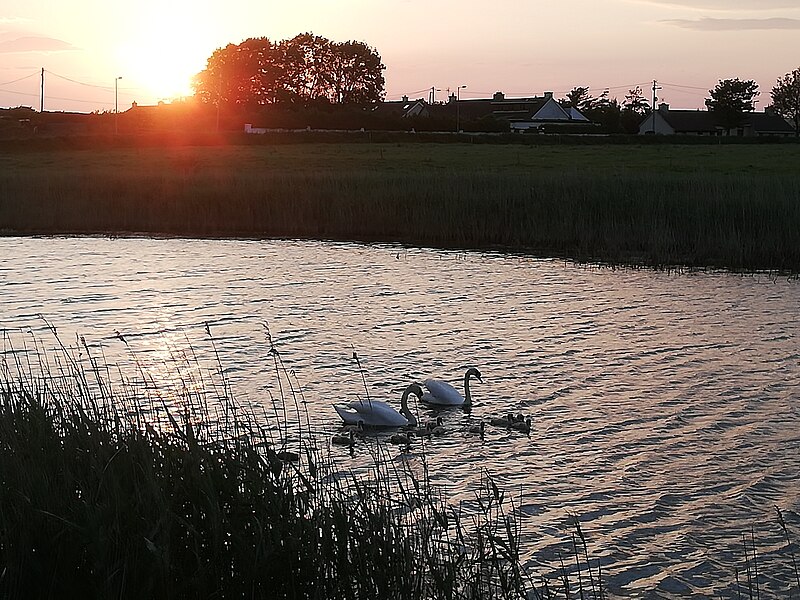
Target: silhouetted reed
(658, 211)
(121, 485)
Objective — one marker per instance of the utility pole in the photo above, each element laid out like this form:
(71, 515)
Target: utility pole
(458, 107)
(41, 98)
(656, 87)
(116, 105)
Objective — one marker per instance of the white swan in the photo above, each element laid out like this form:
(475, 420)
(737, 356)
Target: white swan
(375, 413)
(443, 394)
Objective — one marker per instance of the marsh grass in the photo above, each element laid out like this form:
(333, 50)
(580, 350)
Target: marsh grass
(115, 485)
(736, 208)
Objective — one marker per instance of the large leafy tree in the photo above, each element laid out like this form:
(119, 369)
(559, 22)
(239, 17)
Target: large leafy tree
(731, 100)
(307, 69)
(240, 74)
(356, 74)
(786, 98)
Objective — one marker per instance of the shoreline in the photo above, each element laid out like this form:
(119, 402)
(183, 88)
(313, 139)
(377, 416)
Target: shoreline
(732, 207)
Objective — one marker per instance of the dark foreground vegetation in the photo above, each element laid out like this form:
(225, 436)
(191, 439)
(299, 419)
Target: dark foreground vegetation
(727, 206)
(126, 489)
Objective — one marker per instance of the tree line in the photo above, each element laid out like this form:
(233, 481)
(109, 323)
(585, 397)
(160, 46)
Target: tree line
(312, 73)
(305, 70)
(730, 101)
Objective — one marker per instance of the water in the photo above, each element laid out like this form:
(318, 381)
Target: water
(665, 406)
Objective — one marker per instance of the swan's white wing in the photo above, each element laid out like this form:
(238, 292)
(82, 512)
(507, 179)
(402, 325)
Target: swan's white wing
(441, 392)
(376, 414)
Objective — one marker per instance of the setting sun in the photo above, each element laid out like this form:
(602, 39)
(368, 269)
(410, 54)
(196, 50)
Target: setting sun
(166, 48)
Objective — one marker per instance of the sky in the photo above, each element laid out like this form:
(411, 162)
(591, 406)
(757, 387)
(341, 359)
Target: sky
(96, 54)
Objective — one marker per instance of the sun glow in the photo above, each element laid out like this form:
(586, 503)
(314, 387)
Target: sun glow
(167, 51)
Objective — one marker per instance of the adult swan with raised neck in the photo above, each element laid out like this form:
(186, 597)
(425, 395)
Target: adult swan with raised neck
(442, 393)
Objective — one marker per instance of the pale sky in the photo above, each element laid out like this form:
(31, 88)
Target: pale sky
(520, 47)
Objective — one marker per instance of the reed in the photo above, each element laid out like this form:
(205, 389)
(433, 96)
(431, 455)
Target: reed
(118, 486)
(730, 212)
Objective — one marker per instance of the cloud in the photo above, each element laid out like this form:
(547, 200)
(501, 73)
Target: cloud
(729, 5)
(709, 24)
(34, 44)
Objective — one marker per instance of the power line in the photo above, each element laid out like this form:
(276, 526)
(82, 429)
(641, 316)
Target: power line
(688, 87)
(102, 87)
(34, 74)
(19, 93)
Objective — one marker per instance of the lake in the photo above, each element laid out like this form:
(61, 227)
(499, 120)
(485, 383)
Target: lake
(664, 405)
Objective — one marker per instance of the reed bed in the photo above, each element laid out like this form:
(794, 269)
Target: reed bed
(739, 216)
(115, 487)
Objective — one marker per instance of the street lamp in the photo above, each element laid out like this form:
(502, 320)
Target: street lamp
(116, 104)
(458, 107)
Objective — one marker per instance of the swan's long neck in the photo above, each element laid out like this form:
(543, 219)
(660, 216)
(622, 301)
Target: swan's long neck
(404, 410)
(467, 396)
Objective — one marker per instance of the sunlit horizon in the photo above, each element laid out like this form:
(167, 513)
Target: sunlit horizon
(157, 49)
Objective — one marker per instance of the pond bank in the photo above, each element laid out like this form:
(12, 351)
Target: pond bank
(733, 207)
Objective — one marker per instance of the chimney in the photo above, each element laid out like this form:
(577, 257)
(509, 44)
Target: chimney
(663, 107)
(498, 97)
(548, 95)
(405, 98)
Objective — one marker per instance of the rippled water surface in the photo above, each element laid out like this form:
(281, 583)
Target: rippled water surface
(665, 406)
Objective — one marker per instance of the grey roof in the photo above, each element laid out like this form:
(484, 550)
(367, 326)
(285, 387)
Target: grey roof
(770, 123)
(697, 121)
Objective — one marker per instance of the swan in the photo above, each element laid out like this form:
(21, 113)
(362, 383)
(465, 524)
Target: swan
(505, 421)
(375, 413)
(357, 428)
(478, 428)
(437, 422)
(402, 438)
(443, 394)
(344, 440)
(523, 426)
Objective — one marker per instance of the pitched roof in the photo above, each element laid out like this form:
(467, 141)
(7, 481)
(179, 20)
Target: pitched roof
(765, 122)
(697, 121)
(689, 121)
(513, 109)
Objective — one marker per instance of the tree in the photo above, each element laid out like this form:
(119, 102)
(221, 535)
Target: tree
(634, 109)
(731, 100)
(604, 111)
(307, 70)
(579, 98)
(786, 98)
(356, 74)
(635, 102)
(239, 74)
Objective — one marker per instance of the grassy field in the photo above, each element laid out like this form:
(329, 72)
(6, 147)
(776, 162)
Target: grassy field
(733, 206)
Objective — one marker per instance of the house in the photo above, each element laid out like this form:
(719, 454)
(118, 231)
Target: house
(403, 108)
(536, 113)
(666, 121)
